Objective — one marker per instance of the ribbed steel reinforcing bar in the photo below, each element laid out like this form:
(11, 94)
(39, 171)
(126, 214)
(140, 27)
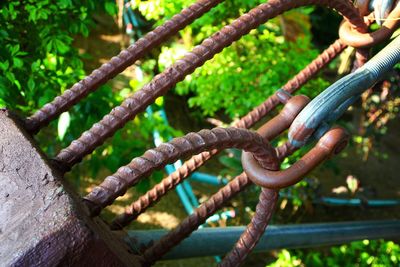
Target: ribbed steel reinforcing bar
(322, 108)
(268, 131)
(254, 231)
(120, 115)
(292, 85)
(116, 185)
(116, 65)
(154, 195)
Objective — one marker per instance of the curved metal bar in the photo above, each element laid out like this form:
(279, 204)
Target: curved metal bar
(293, 84)
(120, 115)
(159, 190)
(358, 39)
(216, 201)
(321, 107)
(268, 131)
(363, 6)
(382, 10)
(331, 143)
(116, 65)
(117, 184)
(254, 230)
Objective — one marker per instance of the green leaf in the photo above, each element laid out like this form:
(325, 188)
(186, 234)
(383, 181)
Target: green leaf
(61, 46)
(31, 84)
(10, 76)
(84, 30)
(18, 63)
(111, 8)
(63, 124)
(4, 65)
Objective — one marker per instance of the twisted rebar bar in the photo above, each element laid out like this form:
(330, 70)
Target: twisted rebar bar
(161, 83)
(193, 221)
(116, 65)
(293, 85)
(205, 210)
(154, 195)
(254, 230)
(117, 184)
(170, 182)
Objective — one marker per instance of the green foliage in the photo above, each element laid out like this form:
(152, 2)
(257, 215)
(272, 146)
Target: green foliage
(37, 61)
(359, 253)
(243, 75)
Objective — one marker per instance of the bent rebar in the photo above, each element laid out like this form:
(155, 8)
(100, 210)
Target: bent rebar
(120, 115)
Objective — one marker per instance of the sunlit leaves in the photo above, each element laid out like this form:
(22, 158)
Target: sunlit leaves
(358, 253)
(63, 123)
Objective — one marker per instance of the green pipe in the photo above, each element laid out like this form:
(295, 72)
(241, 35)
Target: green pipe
(219, 241)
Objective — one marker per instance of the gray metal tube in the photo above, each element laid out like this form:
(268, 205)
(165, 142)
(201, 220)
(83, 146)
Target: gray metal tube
(219, 241)
(324, 105)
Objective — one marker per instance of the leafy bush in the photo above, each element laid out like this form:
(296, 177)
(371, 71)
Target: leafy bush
(359, 253)
(37, 60)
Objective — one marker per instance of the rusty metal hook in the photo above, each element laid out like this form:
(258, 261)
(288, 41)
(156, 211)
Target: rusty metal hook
(354, 38)
(333, 142)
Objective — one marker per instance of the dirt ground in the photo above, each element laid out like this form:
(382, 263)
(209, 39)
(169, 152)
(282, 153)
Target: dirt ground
(378, 174)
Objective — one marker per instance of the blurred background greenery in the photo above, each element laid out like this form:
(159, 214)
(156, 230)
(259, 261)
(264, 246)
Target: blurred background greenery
(46, 46)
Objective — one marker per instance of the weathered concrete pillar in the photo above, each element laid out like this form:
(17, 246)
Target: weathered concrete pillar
(42, 221)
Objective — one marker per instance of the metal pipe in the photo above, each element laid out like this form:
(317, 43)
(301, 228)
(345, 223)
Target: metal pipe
(324, 105)
(184, 199)
(357, 202)
(218, 241)
(208, 178)
(189, 191)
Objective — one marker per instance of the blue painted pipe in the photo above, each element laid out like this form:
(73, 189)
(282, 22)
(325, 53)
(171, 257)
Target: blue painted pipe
(336, 97)
(219, 240)
(358, 202)
(334, 201)
(184, 199)
(208, 178)
(188, 188)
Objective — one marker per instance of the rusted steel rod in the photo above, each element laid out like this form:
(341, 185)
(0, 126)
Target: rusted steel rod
(268, 131)
(294, 84)
(120, 115)
(117, 184)
(116, 65)
(332, 143)
(215, 202)
(168, 183)
(268, 197)
(161, 189)
(254, 231)
(193, 221)
(357, 39)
